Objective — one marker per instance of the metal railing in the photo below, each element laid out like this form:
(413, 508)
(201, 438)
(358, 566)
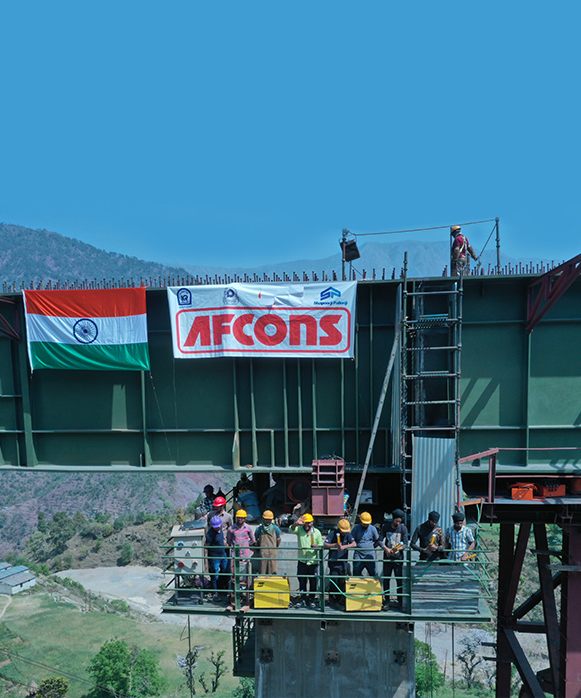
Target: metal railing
(440, 586)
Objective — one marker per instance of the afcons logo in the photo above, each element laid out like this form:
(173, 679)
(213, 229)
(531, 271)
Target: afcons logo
(330, 293)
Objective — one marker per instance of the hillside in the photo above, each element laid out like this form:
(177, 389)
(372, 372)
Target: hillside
(39, 255)
(24, 495)
(32, 255)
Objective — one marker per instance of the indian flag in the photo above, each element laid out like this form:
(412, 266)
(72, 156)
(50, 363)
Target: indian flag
(87, 329)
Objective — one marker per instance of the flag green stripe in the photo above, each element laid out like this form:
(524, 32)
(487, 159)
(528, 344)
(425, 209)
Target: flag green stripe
(115, 357)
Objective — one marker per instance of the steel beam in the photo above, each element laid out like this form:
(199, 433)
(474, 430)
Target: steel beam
(570, 615)
(505, 562)
(518, 559)
(534, 599)
(549, 606)
(522, 664)
(553, 285)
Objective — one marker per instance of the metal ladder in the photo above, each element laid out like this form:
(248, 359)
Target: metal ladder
(431, 345)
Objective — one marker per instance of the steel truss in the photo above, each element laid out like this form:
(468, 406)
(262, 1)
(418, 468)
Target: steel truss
(563, 676)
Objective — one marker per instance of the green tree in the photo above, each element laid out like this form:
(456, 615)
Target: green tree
(118, 524)
(42, 526)
(246, 688)
(53, 687)
(429, 678)
(120, 669)
(60, 530)
(79, 521)
(126, 554)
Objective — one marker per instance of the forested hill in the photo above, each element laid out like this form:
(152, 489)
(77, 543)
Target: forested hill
(34, 255)
(24, 495)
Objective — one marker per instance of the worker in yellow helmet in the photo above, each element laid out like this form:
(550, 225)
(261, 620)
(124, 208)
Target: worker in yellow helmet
(267, 539)
(461, 248)
(240, 537)
(309, 539)
(338, 543)
(367, 539)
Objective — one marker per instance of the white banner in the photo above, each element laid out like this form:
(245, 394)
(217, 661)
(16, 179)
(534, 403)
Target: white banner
(285, 320)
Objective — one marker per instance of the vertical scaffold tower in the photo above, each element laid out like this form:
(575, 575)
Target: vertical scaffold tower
(431, 345)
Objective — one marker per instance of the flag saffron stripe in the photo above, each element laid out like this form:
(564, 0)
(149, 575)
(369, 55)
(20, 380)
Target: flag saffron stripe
(81, 303)
(87, 331)
(118, 357)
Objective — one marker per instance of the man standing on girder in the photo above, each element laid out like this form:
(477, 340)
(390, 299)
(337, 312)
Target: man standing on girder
(461, 248)
(338, 543)
(428, 539)
(459, 538)
(396, 537)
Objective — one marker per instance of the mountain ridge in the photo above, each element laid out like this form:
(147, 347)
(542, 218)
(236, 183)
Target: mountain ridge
(33, 256)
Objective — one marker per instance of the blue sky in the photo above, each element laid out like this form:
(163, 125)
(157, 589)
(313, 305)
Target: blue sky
(232, 133)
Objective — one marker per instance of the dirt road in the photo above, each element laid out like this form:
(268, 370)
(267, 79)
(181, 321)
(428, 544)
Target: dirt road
(139, 586)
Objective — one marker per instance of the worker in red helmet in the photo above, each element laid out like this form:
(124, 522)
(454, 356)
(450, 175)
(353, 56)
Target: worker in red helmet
(461, 248)
(219, 509)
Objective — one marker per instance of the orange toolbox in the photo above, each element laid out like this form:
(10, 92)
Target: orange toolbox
(522, 490)
(552, 488)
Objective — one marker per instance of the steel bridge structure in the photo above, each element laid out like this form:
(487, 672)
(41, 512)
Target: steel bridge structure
(490, 364)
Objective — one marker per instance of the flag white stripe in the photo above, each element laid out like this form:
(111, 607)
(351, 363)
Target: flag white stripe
(81, 331)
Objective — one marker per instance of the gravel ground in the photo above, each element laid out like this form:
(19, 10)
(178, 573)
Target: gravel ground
(138, 586)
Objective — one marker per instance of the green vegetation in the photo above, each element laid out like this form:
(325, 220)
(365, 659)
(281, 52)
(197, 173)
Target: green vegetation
(246, 689)
(120, 669)
(35, 255)
(126, 554)
(53, 687)
(429, 678)
(35, 625)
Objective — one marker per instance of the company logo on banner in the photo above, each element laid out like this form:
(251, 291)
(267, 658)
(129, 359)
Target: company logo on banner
(263, 320)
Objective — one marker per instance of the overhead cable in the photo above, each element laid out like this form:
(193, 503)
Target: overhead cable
(419, 230)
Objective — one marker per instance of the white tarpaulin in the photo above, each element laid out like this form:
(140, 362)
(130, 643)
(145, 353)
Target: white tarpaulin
(284, 320)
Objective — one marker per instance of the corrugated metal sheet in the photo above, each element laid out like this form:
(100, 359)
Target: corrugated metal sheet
(445, 588)
(4, 565)
(432, 479)
(9, 571)
(18, 578)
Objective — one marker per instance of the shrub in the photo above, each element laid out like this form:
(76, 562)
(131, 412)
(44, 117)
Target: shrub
(126, 554)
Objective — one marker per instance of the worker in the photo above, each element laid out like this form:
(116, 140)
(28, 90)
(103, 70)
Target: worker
(459, 538)
(217, 559)
(240, 537)
(219, 509)
(208, 501)
(461, 248)
(309, 539)
(396, 538)
(247, 500)
(367, 539)
(428, 538)
(268, 540)
(338, 542)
